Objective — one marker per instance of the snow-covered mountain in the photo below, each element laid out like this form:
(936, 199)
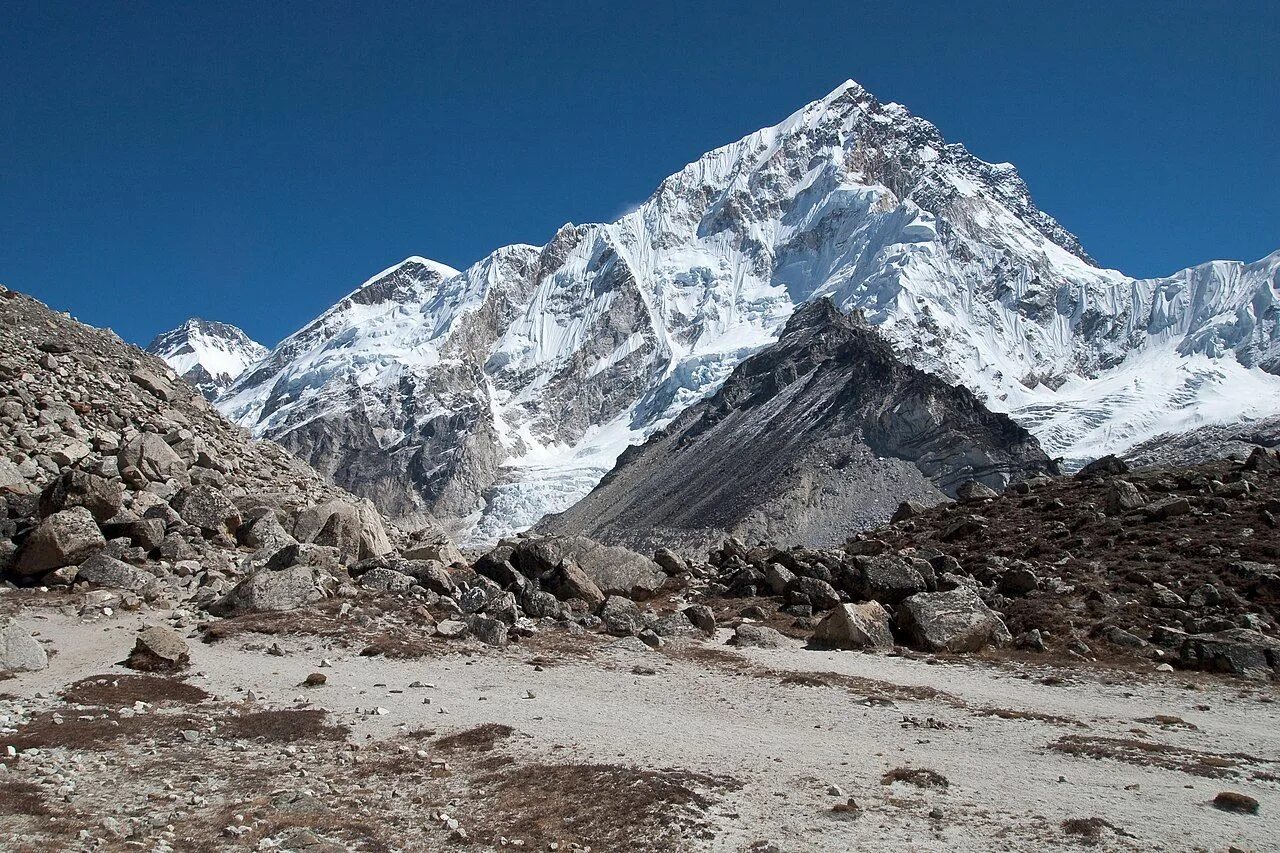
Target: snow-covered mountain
(208, 354)
(493, 395)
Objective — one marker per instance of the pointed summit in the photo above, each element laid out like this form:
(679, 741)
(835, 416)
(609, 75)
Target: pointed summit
(208, 354)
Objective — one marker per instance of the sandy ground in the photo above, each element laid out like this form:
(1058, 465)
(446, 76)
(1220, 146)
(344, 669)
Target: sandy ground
(843, 719)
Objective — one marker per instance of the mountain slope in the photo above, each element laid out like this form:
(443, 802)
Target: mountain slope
(208, 354)
(815, 437)
(496, 394)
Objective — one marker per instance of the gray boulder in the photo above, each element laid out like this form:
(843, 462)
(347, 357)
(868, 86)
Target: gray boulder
(386, 580)
(702, 617)
(855, 626)
(101, 570)
(889, 579)
(159, 650)
(817, 593)
(1238, 651)
(153, 459)
(208, 509)
(953, 621)
(100, 496)
(19, 651)
(749, 635)
(432, 543)
(66, 538)
(486, 629)
(570, 581)
(621, 617)
(274, 590)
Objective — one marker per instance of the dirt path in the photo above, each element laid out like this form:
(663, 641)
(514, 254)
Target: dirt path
(786, 724)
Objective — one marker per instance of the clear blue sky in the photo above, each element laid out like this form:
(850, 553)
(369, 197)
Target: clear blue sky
(253, 162)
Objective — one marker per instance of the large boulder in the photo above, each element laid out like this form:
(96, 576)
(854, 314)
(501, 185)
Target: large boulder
(100, 496)
(153, 459)
(855, 626)
(568, 580)
(355, 529)
(432, 543)
(19, 651)
(387, 580)
(159, 650)
(275, 590)
(616, 571)
(953, 621)
(621, 617)
(750, 635)
(889, 579)
(1238, 651)
(102, 570)
(66, 538)
(818, 593)
(265, 533)
(207, 508)
(374, 541)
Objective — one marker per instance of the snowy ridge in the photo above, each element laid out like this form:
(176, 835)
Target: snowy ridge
(208, 354)
(493, 395)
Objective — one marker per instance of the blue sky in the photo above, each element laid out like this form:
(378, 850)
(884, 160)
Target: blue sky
(253, 162)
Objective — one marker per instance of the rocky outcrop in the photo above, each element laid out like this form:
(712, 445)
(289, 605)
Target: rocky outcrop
(954, 621)
(118, 474)
(820, 435)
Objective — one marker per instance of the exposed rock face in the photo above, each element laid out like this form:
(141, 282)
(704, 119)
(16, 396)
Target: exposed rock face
(855, 626)
(953, 621)
(65, 538)
(820, 435)
(208, 354)
(493, 395)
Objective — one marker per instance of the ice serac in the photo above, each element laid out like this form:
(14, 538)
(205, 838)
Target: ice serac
(493, 395)
(813, 438)
(208, 354)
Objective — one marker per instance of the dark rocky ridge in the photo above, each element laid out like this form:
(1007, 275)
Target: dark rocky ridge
(820, 435)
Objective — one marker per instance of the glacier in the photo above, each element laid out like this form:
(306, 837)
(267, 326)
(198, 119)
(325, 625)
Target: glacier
(489, 396)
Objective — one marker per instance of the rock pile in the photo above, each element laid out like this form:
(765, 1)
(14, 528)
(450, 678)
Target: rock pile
(116, 473)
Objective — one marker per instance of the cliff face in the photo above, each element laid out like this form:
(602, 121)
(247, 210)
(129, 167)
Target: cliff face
(816, 437)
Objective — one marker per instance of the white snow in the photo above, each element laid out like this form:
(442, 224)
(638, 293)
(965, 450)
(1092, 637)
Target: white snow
(652, 312)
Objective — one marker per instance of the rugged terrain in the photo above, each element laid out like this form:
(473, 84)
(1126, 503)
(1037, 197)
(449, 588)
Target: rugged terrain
(817, 436)
(493, 395)
(205, 645)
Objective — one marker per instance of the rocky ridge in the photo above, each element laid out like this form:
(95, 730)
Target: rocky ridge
(819, 435)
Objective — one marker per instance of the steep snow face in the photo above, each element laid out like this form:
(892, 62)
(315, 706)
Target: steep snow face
(207, 354)
(494, 395)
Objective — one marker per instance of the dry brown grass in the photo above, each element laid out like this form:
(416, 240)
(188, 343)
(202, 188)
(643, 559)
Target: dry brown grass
(921, 777)
(481, 738)
(1144, 753)
(608, 807)
(284, 726)
(1089, 830)
(99, 730)
(401, 647)
(118, 691)
(22, 798)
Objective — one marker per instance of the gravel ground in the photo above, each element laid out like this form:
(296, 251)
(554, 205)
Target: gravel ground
(610, 745)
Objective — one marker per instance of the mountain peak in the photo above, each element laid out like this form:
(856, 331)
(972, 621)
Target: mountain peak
(207, 353)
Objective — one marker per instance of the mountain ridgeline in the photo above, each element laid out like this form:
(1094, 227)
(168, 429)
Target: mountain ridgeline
(818, 435)
(490, 396)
